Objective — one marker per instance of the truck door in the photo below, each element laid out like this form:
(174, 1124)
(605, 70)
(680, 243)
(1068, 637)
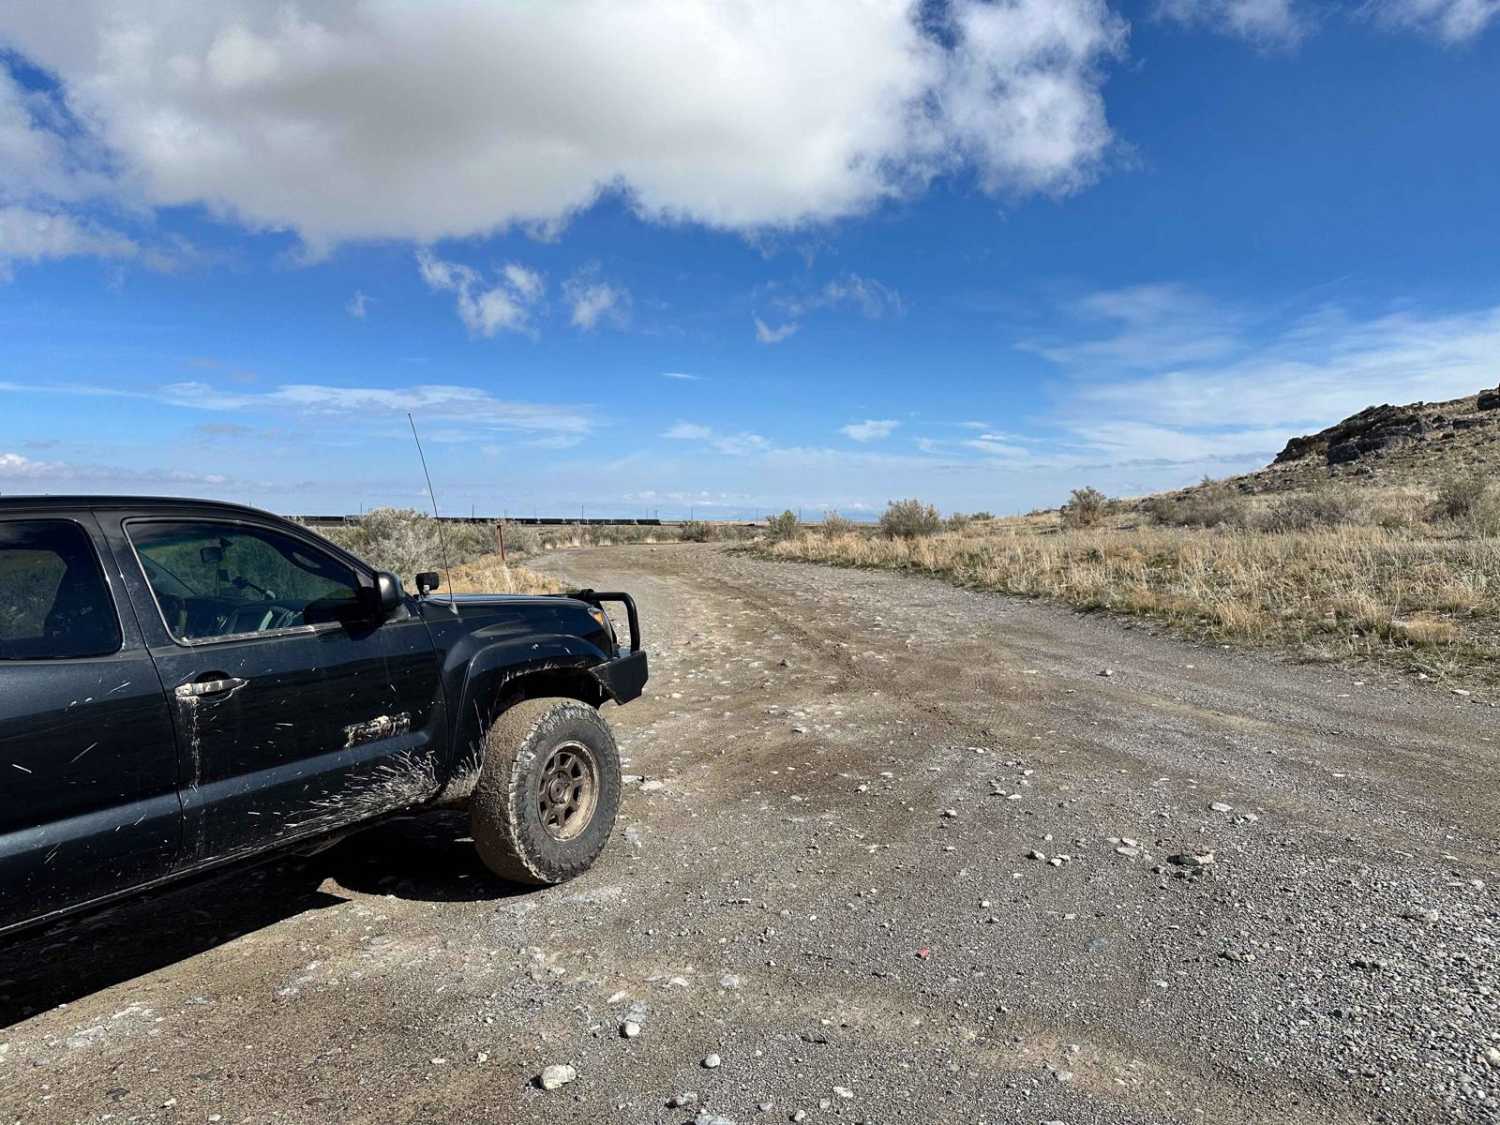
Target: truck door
(296, 710)
(88, 761)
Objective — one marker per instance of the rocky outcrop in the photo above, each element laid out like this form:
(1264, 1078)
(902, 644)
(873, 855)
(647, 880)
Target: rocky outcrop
(1489, 400)
(1372, 432)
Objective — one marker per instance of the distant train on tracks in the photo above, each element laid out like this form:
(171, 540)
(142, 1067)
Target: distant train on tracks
(536, 521)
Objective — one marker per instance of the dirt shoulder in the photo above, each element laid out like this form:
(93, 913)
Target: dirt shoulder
(822, 876)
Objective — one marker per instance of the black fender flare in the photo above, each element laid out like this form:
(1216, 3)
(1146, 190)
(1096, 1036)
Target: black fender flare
(487, 678)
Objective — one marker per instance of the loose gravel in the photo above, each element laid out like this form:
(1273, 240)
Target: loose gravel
(890, 852)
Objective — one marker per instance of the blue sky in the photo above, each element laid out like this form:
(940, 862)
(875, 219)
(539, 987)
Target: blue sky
(648, 257)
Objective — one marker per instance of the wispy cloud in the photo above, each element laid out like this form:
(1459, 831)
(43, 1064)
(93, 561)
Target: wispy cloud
(1286, 23)
(1268, 23)
(1238, 386)
(16, 467)
(733, 444)
(503, 307)
(1144, 326)
(28, 235)
(469, 405)
(795, 303)
(527, 284)
(682, 375)
(592, 300)
(769, 335)
(870, 297)
(359, 304)
(871, 429)
(1449, 21)
(223, 430)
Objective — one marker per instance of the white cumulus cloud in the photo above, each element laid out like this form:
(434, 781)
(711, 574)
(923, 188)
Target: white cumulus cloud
(484, 310)
(352, 119)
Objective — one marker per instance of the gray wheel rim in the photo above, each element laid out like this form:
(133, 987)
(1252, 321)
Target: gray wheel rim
(569, 791)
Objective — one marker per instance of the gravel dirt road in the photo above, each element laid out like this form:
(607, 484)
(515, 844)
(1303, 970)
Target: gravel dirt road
(894, 852)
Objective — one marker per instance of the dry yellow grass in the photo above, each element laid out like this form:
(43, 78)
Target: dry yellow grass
(487, 575)
(1411, 595)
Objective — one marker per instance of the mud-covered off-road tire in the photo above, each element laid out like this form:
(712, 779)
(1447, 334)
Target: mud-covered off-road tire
(540, 757)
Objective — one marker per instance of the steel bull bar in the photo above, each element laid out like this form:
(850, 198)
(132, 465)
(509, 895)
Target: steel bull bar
(624, 677)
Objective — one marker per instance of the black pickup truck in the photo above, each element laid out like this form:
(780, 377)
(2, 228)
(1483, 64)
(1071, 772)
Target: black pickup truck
(184, 684)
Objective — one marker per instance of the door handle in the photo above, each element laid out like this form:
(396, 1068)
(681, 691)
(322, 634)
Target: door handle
(214, 683)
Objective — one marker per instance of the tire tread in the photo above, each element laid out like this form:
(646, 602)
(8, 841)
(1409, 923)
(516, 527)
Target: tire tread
(494, 810)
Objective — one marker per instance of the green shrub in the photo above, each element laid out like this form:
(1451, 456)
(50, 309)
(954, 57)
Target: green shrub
(1086, 508)
(696, 531)
(782, 527)
(981, 516)
(910, 519)
(956, 522)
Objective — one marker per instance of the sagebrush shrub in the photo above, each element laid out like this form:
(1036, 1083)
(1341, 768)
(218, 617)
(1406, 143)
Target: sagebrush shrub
(1085, 508)
(782, 527)
(406, 541)
(910, 519)
(1310, 511)
(1212, 504)
(521, 539)
(1470, 501)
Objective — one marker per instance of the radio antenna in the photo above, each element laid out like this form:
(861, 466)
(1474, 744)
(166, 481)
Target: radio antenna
(442, 535)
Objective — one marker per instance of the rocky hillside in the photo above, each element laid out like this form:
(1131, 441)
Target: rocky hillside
(1415, 444)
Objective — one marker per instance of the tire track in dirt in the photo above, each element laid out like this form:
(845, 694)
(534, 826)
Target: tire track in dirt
(768, 900)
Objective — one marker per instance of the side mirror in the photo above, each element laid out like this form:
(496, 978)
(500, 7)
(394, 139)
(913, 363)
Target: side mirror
(388, 592)
(428, 581)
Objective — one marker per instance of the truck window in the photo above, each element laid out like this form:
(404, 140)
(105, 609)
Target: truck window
(54, 603)
(226, 580)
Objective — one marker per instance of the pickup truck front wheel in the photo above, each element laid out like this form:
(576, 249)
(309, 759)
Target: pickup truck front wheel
(548, 791)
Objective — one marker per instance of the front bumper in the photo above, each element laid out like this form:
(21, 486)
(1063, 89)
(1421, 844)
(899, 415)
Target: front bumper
(623, 678)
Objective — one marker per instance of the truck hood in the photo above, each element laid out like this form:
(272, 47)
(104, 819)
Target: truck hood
(501, 615)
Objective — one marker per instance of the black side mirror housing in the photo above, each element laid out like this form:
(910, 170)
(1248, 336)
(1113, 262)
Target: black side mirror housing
(428, 581)
(388, 592)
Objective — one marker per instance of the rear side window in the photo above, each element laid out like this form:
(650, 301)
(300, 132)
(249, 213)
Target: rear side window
(228, 580)
(54, 603)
